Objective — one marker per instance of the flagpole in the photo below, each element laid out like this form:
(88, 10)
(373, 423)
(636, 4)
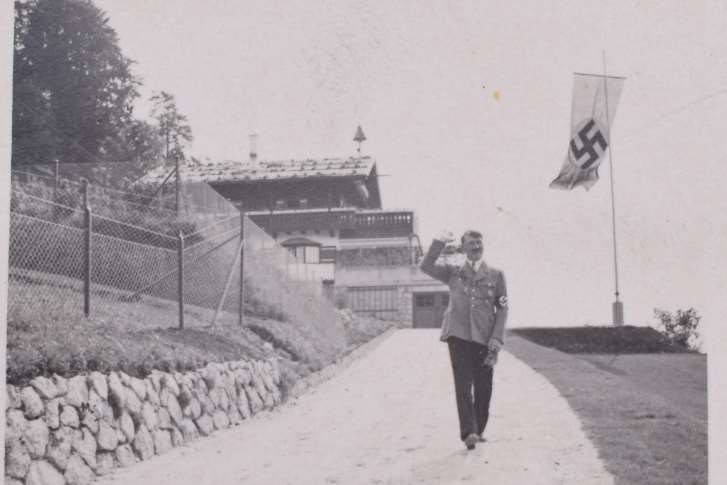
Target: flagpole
(617, 308)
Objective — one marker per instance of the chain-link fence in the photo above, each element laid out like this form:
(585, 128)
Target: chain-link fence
(83, 249)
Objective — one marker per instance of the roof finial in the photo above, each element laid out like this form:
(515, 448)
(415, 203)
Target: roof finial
(359, 137)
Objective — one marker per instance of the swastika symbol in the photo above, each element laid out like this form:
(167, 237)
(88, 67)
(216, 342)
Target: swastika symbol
(588, 145)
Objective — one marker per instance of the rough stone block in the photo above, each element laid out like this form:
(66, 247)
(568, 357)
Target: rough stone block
(220, 420)
(117, 394)
(36, 438)
(88, 419)
(53, 413)
(169, 382)
(59, 446)
(126, 425)
(132, 403)
(124, 378)
(156, 379)
(243, 405)
(164, 419)
(151, 394)
(149, 416)
(61, 384)
(69, 417)
(100, 407)
(104, 463)
(77, 394)
(172, 405)
(139, 387)
(78, 472)
(256, 404)
(162, 441)
(124, 456)
(205, 425)
(13, 400)
(185, 396)
(17, 460)
(143, 443)
(32, 403)
(99, 384)
(43, 473)
(85, 445)
(177, 438)
(234, 415)
(44, 387)
(107, 438)
(189, 430)
(224, 400)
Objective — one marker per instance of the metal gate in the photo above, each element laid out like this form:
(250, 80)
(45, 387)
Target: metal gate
(374, 301)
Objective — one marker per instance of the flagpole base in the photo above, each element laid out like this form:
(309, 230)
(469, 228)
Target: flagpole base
(618, 313)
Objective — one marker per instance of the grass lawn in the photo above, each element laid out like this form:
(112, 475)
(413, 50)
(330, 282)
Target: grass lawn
(646, 413)
(681, 379)
(47, 333)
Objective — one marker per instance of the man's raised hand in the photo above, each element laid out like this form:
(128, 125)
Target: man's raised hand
(445, 236)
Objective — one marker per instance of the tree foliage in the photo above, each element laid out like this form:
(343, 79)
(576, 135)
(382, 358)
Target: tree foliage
(680, 328)
(173, 126)
(73, 89)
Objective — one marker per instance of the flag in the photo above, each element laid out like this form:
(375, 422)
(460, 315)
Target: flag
(595, 99)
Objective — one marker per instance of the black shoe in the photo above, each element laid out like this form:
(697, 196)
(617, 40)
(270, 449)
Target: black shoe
(470, 441)
(481, 439)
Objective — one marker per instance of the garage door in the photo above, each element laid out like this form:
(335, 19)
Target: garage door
(429, 308)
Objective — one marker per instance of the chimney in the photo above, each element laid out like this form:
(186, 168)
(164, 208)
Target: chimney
(253, 149)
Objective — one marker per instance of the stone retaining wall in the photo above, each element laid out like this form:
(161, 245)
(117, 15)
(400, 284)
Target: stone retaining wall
(67, 431)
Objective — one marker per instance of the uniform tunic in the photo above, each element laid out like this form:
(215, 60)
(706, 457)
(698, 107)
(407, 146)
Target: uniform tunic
(477, 308)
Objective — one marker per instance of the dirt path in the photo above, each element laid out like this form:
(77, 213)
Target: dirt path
(390, 418)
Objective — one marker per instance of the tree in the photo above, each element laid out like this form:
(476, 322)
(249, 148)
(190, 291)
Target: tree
(73, 89)
(680, 329)
(173, 126)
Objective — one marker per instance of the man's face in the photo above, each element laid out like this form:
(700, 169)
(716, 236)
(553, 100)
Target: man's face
(472, 247)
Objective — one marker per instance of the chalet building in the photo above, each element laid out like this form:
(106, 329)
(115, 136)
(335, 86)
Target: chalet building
(328, 212)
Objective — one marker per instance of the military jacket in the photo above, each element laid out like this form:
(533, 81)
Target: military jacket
(478, 304)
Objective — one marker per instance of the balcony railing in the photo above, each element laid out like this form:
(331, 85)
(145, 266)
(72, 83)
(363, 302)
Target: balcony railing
(351, 224)
(379, 224)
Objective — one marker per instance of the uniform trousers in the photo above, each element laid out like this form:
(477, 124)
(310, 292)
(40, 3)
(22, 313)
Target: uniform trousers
(469, 373)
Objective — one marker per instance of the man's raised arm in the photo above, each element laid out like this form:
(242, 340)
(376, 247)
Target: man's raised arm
(441, 272)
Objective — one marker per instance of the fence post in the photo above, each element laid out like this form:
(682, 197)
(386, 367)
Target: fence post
(177, 185)
(180, 282)
(242, 266)
(87, 252)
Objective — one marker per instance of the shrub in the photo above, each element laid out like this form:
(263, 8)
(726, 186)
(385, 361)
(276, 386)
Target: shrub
(680, 328)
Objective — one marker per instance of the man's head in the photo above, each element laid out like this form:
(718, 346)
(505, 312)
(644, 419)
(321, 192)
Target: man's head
(472, 245)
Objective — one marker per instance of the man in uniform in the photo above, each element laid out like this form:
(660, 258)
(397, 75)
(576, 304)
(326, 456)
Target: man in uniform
(473, 327)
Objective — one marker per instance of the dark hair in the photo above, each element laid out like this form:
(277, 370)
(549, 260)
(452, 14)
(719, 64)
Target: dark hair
(471, 233)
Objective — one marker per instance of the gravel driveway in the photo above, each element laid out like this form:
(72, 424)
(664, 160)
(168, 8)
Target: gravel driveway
(389, 417)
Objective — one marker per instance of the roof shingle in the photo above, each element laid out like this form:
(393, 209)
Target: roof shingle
(236, 171)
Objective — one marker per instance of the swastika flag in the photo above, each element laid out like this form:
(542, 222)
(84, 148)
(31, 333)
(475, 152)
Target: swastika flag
(595, 99)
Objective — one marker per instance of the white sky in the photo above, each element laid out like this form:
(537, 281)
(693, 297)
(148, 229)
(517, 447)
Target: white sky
(420, 78)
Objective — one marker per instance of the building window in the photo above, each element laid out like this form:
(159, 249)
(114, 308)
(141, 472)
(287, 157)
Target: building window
(311, 254)
(305, 250)
(303, 203)
(279, 204)
(328, 254)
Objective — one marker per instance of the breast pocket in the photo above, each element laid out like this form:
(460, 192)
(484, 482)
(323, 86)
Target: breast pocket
(485, 292)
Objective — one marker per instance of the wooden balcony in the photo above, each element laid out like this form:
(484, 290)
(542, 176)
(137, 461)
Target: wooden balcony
(379, 224)
(351, 224)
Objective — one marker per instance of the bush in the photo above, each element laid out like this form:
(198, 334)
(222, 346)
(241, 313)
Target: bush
(680, 328)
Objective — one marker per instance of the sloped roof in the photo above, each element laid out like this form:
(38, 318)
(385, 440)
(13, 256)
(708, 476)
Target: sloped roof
(237, 171)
